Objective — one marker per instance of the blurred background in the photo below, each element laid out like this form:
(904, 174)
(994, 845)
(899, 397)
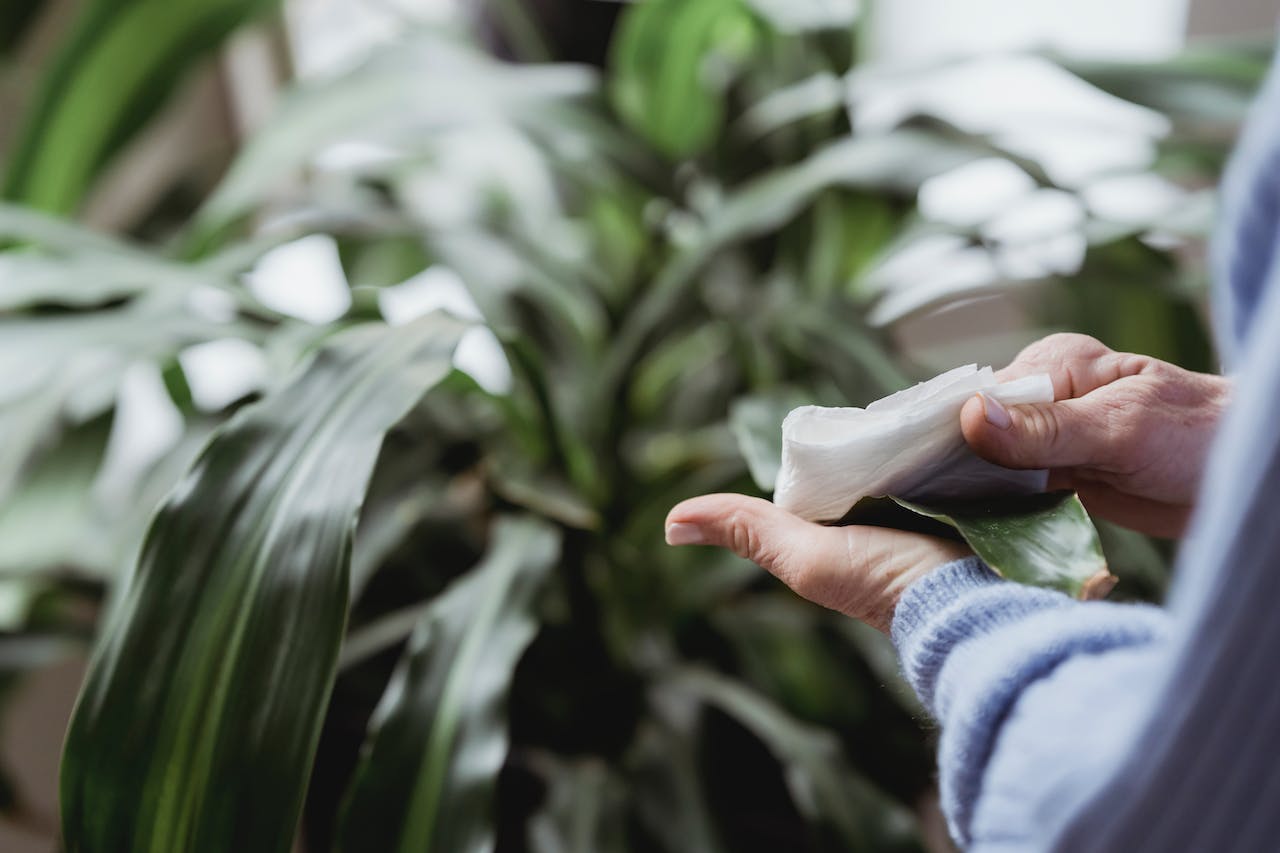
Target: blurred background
(671, 220)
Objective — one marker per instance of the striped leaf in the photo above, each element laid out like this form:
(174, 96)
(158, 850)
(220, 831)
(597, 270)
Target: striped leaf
(120, 63)
(439, 737)
(197, 724)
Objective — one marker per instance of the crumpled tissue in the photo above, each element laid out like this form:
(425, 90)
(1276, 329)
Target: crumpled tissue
(907, 445)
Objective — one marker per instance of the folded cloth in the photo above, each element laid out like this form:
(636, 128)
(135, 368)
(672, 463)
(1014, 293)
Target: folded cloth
(907, 445)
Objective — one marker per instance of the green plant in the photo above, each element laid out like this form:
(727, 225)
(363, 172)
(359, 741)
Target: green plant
(671, 253)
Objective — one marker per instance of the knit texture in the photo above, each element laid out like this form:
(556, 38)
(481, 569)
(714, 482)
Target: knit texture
(970, 645)
(1109, 727)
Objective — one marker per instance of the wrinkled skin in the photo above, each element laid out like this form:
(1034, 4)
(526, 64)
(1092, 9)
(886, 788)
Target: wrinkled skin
(1128, 432)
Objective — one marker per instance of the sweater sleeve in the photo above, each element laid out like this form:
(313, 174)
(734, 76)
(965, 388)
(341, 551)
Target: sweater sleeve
(1104, 727)
(998, 665)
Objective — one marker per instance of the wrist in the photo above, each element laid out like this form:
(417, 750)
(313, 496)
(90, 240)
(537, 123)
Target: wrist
(908, 559)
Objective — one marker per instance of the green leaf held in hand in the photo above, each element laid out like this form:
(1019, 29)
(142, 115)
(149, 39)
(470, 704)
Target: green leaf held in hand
(196, 726)
(1044, 540)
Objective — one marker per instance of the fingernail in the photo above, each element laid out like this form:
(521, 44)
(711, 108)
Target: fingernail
(995, 413)
(684, 534)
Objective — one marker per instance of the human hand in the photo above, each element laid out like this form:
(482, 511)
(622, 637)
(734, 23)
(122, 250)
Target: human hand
(859, 571)
(1129, 433)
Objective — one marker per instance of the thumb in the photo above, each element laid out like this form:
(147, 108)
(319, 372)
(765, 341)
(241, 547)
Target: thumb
(1034, 435)
(776, 540)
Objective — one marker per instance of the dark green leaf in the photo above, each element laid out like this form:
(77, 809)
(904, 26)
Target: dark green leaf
(671, 62)
(584, 811)
(439, 737)
(546, 495)
(823, 785)
(1044, 540)
(196, 726)
(384, 261)
(666, 789)
(877, 651)
(781, 649)
(894, 162)
(16, 17)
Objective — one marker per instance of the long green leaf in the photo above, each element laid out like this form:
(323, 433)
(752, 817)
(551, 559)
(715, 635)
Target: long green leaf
(396, 99)
(1044, 540)
(439, 737)
(825, 788)
(28, 279)
(666, 790)
(197, 723)
(40, 524)
(1209, 84)
(584, 811)
(896, 162)
(121, 61)
(27, 225)
(83, 356)
(824, 92)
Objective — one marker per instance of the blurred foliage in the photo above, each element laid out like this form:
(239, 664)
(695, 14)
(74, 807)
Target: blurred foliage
(670, 250)
(117, 66)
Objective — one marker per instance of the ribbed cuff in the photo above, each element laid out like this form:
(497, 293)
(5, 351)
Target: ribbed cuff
(954, 603)
(937, 590)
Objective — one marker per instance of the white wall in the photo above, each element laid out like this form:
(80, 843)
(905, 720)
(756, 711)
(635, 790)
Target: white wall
(914, 30)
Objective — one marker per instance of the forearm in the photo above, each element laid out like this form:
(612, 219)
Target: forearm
(1017, 679)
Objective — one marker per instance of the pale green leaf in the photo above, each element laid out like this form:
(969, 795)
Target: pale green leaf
(756, 422)
(398, 97)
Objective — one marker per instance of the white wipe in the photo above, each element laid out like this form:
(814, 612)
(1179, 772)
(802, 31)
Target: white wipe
(908, 445)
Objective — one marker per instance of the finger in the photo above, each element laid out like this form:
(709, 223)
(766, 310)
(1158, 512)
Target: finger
(858, 571)
(1077, 364)
(1038, 435)
(778, 541)
(1153, 518)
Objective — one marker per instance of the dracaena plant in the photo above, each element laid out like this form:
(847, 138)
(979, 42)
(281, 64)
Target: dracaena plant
(377, 606)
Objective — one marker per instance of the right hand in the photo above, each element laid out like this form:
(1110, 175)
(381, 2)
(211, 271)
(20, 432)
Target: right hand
(1129, 433)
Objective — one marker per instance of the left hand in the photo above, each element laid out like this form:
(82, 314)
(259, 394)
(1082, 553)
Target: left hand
(857, 570)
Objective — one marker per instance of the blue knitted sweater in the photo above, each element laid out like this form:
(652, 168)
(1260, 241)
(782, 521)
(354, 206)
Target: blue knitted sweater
(1110, 727)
